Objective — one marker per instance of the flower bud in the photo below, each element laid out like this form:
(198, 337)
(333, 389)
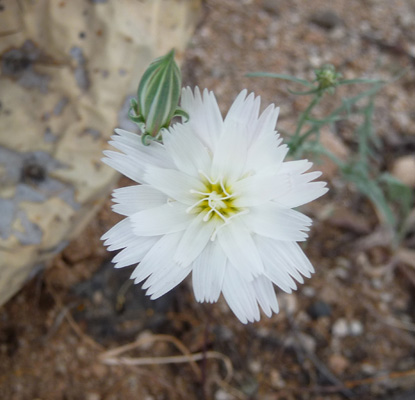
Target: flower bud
(157, 97)
(327, 77)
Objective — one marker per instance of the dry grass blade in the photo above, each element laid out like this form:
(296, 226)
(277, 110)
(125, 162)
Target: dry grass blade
(391, 375)
(406, 256)
(113, 357)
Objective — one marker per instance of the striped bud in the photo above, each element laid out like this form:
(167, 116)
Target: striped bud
(157, 97)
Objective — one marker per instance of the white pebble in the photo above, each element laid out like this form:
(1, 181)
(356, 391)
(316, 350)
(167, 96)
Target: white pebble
(340, 328)
(356, 328)
(222, 395)
(343, 328)
(288, 303)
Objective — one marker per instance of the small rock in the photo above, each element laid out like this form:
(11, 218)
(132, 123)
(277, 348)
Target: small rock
(288, 303)
(340, 328)
(356, 328)
(61, 368)
(338, 363)
(308, 291)
(222, 395)
(97, 297)
(271, 6)
(303, 340)
(386, 297)
(93, 396)
(255, 366)
(404, 170)
(326, 19)
(81, 352)
(276, 379)
(319, 309)
(343, 328)
(368, 369)
(223, 333)
(308, 342)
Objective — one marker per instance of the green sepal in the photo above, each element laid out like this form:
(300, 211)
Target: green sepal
(146, 138)
(181, 113)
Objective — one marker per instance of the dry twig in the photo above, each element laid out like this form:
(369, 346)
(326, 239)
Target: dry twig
(112, 357)
(379, 378)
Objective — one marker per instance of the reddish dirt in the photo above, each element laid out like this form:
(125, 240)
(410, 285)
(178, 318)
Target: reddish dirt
(348, 332)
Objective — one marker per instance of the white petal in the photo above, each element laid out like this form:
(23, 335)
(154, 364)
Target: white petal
(121, 230)
(130, 144)
(237, 104)
(132, 199)
(169, 218)
(282, 258)
(160, 255)
(186, 150)
(230, 155)
(164, 281)
(194, 240)
(208, 273)
(265, 295)
(129, 138)
(308, 177)
(266, 154)
(122, 242)
(134, 253)
(259, 189)
(174, 184)
(303, 194)
(205, 117)
(119, 236)
(266, 122)
(240, 296)
(129, 167)
(245, 111)
(282, 254)
(296, 167)
(302, 189)
(136, 157)
(274, 267)
(274, 221)
(298, 259)
(165, 273)
(241, 249)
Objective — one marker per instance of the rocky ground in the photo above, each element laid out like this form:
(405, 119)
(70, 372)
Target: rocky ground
(348, 332)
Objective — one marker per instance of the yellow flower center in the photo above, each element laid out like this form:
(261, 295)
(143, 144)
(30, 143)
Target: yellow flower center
(216, 201)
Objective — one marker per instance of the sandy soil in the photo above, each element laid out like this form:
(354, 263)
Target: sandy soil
(348, 332)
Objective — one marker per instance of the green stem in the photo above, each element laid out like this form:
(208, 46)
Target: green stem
(297, 138)
(302, 138)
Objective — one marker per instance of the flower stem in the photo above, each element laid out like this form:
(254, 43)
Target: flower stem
(297, 138)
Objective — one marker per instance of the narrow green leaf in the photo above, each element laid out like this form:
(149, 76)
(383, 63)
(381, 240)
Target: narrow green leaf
(279, 76)
(359, 80)
(307, 92)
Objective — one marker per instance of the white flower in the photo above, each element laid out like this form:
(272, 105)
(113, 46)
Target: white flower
(216, 200)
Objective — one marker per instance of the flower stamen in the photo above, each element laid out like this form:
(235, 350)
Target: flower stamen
(217, 199)
(215, 232)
